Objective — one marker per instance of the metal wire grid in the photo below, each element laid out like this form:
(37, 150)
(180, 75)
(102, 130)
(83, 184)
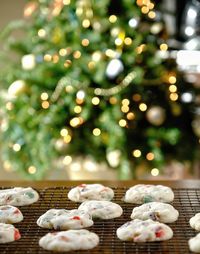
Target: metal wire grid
(187, 202)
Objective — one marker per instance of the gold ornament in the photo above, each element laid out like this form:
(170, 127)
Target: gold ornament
(156, 115)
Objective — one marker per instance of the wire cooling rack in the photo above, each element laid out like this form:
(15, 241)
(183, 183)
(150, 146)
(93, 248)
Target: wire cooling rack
(187, 202)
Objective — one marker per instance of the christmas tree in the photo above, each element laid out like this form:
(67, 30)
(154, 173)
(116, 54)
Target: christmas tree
(87, 78)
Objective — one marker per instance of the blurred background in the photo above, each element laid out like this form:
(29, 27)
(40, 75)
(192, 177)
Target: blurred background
(99, 89)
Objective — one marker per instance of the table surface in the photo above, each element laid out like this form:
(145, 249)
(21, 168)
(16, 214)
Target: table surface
(127, 183)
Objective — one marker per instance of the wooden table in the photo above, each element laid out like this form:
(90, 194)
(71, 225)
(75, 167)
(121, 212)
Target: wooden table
(53, 194)
(128, 183)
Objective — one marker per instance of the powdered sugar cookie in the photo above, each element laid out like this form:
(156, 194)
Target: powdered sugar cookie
(195, 222)
(10, 214)
(85, 192)
(144, 231)
(101, 209)
(61, 219)
(143, 193)
(69, 240)
(194, 244)
(157, 211)
(8, 233)
(18, 196)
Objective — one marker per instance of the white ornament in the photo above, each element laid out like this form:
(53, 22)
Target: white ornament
(113, 158)
(28, 62)
(114, 68)
(16, 88)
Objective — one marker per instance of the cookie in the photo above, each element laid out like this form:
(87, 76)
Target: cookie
(8, 233)
(144, 193)
(85, 192)
(194, 243)
(10, 214)
(144, 231)
(61, 219)
(18, 196)
(195, 222)
(69, 240)
(101, 209)
(156, 211)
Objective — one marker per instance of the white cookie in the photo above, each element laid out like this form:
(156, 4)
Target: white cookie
(18, 196)
(8, 233)
(157, 211)
(144, 231)
(194, 243)
(101, 209)
(10, 214)
(195, 222)
(85, 192)
(61, 219)
(69, 240)
(144, 193)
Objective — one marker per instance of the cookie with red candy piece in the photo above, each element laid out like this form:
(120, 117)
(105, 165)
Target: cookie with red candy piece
(61, 219)
(144, 231)
(95, 191)
(8, 233)
(69, 240)
(10, 214)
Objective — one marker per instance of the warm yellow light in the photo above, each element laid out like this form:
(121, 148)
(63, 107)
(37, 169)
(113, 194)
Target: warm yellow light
(64, 132)
(67, 139)
(47, 58)
(118, 41)
(144, 9)
(96, 132)
(63, 52)
(74, 122)
(122, 122)
(66, 2)
(32, 170)
(9, 105)
(136, 97)
(45, 104)
(152, 14)
(150, 156)
(151, 6)
(67, 63)
(155, 172)
(16, 147)
(172, 79)
(143, 107)
(125, 108)
(125, 102)
(68, 88)
(77, 109)
(173, 96)
(85, 42)
(44, 96)
(163, 47)
(110, 53)
(67, 160)
(146, 2)
(136, 153)
(96, 56)
(91, 65)
(7, 166)
(140, 48)
(95, 100)
(79, 101)
(127, 41)
(113, 100)
(139, 2)
(77, 54)
(172, 88)
(86, 23)
(80, 94)
(130, 116)
(55, 58)
(113, 19)
(41, 33)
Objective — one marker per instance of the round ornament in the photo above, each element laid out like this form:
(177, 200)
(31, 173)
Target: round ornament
(156, 115)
